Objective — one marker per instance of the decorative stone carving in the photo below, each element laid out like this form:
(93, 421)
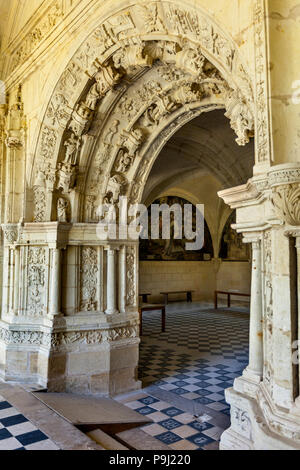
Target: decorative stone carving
(66, 176)
(286, 201)
(48, 143)
(123, 162)
(241, 119)
(268, 311)
(72, 146)
(132, 55)
(130, 277)
(36, 273)
(163, 105)
(115, 188)
(106, 78)
(262, 131)
(36, 338)
(46, 176)
(165, 51)
(151, 17)
(81, 119)
(191, 60)
(11, 233)
(113, 131)
(62, 210)
(34, 37)
(13, 142)
(89, 275)
(39, 204)
(132, 140)
(58, 111)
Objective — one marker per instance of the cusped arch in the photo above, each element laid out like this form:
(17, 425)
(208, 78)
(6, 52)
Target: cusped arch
(81, 141)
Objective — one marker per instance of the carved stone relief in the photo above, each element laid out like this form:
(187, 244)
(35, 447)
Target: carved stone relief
(130, 277)
(268, 309)
(36, 280)
(89, 276)
(286, 201)
(107, 69)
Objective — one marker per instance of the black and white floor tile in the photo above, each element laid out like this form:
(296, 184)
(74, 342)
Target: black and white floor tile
(192, 363)
(18, 433)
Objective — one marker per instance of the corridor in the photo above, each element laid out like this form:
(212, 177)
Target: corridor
(186, 370)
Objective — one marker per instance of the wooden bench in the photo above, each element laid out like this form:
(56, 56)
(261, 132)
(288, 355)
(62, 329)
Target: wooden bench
(229, 294)
(154, 307)
(187, 292)
(144, 297)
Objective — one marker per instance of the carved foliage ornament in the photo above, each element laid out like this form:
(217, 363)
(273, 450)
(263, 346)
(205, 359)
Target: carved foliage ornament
(64, 339)
(286, 201)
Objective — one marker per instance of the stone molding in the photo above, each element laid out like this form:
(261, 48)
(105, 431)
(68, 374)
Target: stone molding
(60, 340)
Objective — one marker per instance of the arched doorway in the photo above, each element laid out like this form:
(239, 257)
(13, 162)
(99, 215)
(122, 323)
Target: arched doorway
(102, 131)
(186, 368)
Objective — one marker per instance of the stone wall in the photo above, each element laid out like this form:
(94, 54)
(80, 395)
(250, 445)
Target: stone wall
(200, 276)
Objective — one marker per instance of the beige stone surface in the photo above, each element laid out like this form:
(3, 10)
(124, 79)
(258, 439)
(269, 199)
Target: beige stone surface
(147, 99)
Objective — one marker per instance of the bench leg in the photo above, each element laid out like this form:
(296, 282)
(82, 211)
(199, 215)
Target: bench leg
(163, 320)
(166, 299)
(228, 300)
(189, 297)
(216, 301)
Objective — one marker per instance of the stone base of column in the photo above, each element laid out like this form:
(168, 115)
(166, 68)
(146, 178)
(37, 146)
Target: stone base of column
(255, 426)
(102, 360)
(106, 369)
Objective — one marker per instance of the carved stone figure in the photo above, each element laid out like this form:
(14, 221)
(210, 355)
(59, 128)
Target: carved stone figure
(124, 161)
(132, 140)
(62, 210)
(113, 130)
(191, 60)
(72, 146)
(115, 186)
(66, 176)
(132, 55)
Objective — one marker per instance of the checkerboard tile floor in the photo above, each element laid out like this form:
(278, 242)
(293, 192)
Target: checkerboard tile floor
(196, 359)
(18, 433)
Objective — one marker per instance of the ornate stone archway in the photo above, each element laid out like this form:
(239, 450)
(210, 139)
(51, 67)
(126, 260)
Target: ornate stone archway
(139, 77)
(69, 303)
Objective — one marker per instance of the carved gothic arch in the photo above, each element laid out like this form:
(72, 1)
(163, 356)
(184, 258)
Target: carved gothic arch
(85, 152)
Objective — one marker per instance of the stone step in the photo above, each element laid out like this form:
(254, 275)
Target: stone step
(106, 441)
(90, 411)
(139, 440)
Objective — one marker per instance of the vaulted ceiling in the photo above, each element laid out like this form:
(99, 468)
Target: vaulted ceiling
(205, 144)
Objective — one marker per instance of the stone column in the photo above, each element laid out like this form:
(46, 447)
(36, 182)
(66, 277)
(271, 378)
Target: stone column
(111, 281)
(122, 279)
(298, 290)
(55, 286)
(255, 366)
(16, 280)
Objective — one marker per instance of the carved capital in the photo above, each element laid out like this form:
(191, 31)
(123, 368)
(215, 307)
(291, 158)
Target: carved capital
(11, 233)
(286, 201)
